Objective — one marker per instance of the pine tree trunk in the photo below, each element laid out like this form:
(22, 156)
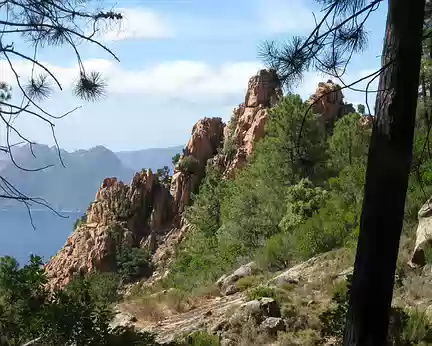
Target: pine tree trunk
(389, 161)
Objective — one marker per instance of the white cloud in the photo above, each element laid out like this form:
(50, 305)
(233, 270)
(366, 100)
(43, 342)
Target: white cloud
(282, 16)
(138, 23)
(187, 81)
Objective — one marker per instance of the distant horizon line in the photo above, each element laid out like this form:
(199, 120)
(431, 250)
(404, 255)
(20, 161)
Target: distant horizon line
(104, 146)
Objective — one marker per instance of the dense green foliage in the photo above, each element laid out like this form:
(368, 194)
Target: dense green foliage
(132, 263)
(175, 159)
(188, 164)
(78, 315)
(164, 177)
(361, 109)
(201, 256)
(299, 195)
(200, 339)
(103, 287)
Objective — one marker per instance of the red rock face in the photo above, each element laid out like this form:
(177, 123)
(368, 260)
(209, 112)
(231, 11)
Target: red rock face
(206, 138)
(134, 211)
(328, 102)
(248, 120)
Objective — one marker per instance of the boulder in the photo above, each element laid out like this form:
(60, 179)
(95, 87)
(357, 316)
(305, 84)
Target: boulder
(270, 307)
(255, 310)
(423, 234)
(227, 283)
(272, 325)
(288, 277)
(313, 270)
(247, 311)
(122, 319)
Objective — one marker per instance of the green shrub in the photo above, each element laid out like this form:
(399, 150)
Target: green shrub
(200, 259)
(303, 200)
(261, 291)
(361, 109)
(333, 319)
(229, 148)
(201, 339)
(188, 164)
(248, 281)
(328, 229)
(175, 159)
(63, 317)
(278, 252)
(163, 176)
(103, 287)
(307, 337)
(176, 300)
(133, 263)
(288, 311)
(349, 143)
(80, 221)
(417, 328)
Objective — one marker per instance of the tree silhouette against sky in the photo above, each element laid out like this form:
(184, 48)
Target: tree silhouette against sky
(44, 23)
(329, 48)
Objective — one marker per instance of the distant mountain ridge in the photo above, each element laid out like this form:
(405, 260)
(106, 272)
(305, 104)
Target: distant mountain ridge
(73, 187)
(153, 158)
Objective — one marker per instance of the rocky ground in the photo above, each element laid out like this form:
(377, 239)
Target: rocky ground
(302, 293)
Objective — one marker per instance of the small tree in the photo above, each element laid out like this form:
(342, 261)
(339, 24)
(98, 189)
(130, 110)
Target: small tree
(163, 175)
(175, 159)
(188, 164)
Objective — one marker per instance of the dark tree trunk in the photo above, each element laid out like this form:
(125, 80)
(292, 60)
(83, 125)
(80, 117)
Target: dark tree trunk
(389, 161)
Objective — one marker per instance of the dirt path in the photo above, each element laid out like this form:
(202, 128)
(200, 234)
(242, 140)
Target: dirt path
(207, 314)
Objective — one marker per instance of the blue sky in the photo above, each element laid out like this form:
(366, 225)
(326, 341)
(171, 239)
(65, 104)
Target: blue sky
(180, 60)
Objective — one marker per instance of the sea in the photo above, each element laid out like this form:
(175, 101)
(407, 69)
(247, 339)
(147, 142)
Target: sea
(49, 232)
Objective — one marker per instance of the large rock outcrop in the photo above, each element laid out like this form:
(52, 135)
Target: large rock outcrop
(328, 102)
(206, 138)
(248, 120)
(121, 215)
(424, 234)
